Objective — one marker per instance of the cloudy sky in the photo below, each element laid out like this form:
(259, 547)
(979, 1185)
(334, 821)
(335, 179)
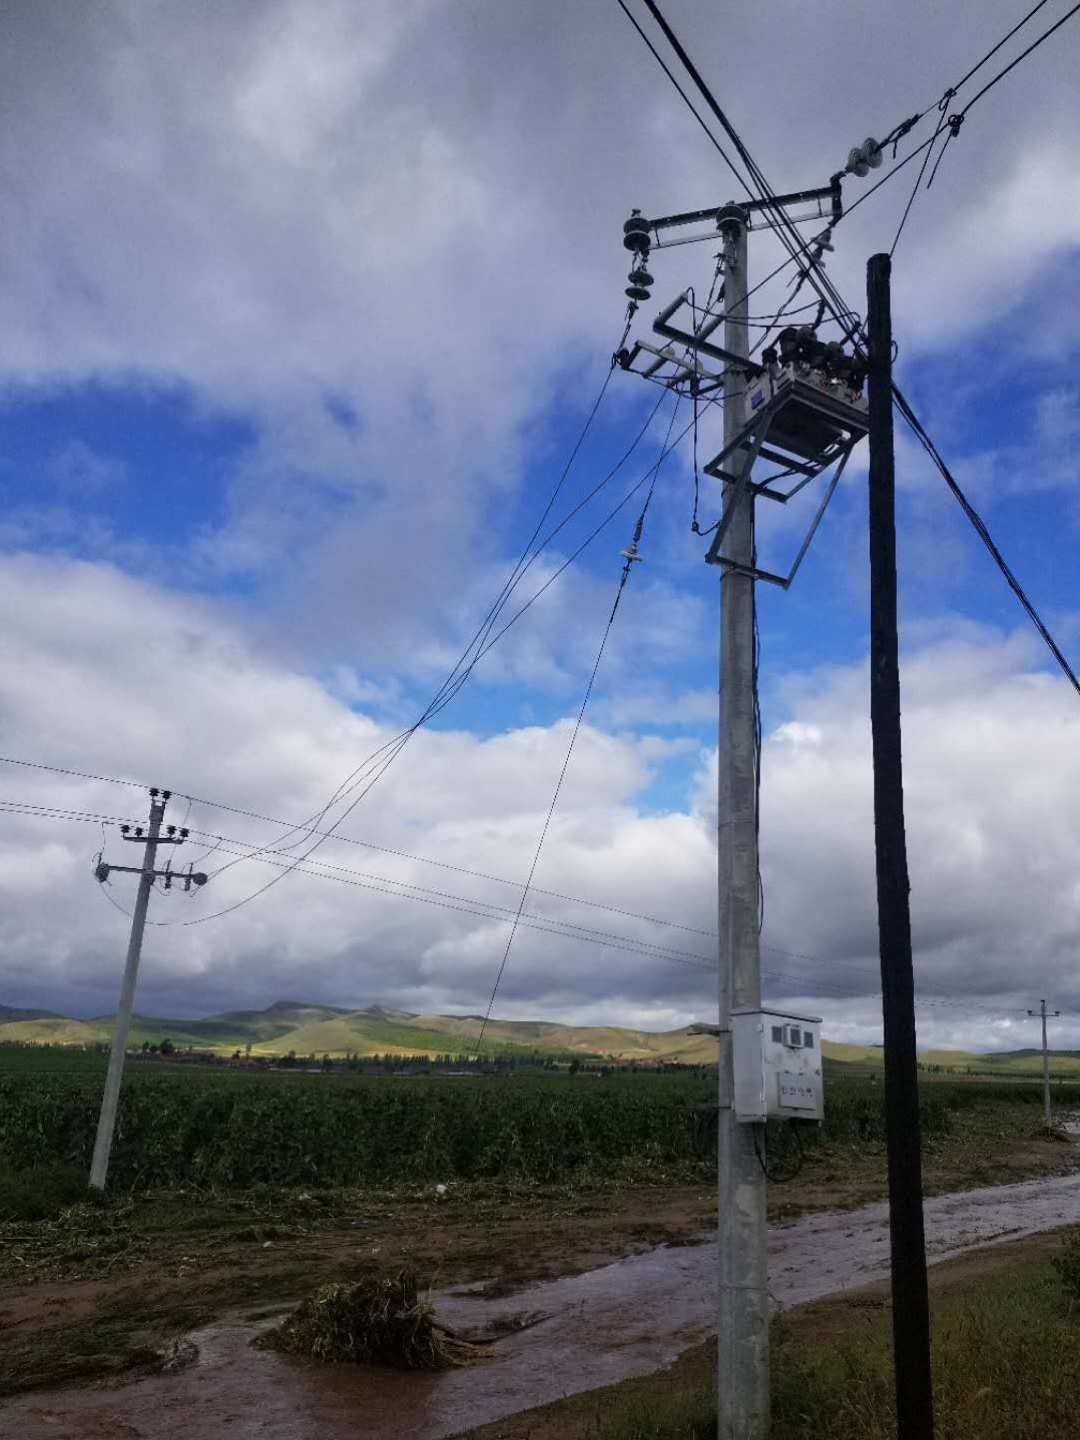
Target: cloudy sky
(304, 308)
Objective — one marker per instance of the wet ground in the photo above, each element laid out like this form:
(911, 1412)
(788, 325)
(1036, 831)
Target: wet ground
(621, 1319)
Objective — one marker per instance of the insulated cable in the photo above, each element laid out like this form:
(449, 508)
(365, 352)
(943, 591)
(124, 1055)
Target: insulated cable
(980, 528)
(631, 556)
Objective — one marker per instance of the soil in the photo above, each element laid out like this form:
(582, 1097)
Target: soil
(630, 1316)
(87, 1309)
(101, 1292)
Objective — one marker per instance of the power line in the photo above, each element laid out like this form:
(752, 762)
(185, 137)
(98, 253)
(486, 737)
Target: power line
(61, 770)
(979, 525)
(631, 556)
(402, 740)
(1013, 63)
(918, 180)
(484, 910)
(389, 885)
(686, 99)
(805, 983)
(458, 675)
(956, 120)
(521, 565)
(832, 298)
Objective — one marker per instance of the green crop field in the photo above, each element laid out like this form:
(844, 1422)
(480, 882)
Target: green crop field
(209, 1126)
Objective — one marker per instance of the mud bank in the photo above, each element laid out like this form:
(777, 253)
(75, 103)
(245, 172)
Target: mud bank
(607, 1324)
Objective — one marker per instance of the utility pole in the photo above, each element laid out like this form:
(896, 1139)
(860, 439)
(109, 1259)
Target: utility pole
(99, 1166)
(743, 1349)
(799, 406)
(1046, 1060)
(910, 1297)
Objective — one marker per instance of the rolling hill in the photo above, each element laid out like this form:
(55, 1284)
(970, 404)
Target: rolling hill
(328, 1029)
(292, 1025)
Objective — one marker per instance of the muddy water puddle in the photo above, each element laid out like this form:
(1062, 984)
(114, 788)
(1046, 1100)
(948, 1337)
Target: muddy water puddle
(623, 1319)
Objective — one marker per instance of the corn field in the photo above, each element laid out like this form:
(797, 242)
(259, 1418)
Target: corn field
(240, 1130)
(212, 1127)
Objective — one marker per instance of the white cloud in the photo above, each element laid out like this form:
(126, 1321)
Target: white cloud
(387, 237)
(410, 214)
(993, 823)
(115, 676)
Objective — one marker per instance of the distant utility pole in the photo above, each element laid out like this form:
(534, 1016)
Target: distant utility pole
(1042, 1010)
(910, 1297)
(99, 1166)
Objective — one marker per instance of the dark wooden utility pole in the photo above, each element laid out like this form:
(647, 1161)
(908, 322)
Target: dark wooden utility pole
(910, 1299)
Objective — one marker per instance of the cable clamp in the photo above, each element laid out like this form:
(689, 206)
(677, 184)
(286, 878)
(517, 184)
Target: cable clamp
(895, 136)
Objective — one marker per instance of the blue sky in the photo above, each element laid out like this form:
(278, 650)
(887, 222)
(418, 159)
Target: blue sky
(297, 346)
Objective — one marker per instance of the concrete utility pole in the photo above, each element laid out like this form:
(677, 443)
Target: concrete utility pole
(743, 1350)
(910, 1296)
(800, 406)
(99, 1166)
(1046, 1059)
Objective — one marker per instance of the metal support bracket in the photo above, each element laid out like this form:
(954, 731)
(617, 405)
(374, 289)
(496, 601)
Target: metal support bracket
(744, 484)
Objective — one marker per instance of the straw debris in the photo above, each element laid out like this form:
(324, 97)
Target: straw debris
(377, 1320)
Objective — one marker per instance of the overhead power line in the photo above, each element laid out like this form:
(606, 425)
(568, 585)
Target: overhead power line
(808, 982)
(995, 48)
(462, 666)
(798, 248)
(491, 641)
(1022, 56)
(63, 770)
(980, 528)
(835, 302)
(686, 99)
(631, 556)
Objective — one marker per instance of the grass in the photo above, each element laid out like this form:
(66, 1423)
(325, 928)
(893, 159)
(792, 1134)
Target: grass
(42, 1192)
(1006, 1362)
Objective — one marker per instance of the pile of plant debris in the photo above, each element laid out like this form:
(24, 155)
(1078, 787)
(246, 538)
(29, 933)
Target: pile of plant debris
(376, 1320)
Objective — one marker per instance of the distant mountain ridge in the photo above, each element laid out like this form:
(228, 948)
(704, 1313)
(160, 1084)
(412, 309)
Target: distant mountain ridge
(306, 1029)
(293, 1025)
(10, 1016)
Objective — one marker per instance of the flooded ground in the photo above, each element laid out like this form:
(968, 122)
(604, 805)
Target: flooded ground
(626, 1318)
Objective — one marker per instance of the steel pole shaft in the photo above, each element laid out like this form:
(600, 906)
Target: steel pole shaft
(99, 1166)
(743, 1331)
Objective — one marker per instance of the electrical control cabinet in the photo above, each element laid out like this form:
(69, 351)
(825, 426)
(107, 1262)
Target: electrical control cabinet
(778, 1070)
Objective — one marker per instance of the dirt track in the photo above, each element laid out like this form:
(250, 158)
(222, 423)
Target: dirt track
(623, 1318)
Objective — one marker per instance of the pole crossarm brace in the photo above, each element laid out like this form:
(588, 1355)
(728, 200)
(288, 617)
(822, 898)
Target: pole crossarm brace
(696, 342)
(103, 870)
(827, 199)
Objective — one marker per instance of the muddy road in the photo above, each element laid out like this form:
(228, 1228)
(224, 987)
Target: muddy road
(625, 1318)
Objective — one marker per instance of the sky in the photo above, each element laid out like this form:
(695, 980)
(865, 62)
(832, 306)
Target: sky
(304, 311)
